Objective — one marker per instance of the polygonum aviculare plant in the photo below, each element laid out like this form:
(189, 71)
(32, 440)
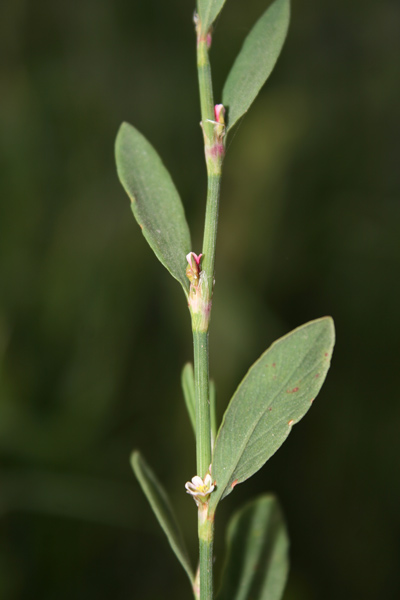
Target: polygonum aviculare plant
(281, 385)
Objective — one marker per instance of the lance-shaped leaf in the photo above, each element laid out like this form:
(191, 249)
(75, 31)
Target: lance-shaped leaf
(208, 11)
(255, 60)
(257, 563)
(155, 201)
(187, 381)
(213, 411)
(275, 394)
(158, 500)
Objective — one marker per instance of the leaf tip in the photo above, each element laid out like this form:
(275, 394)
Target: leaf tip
(134, 458)
(124, 125)
(330, 323)
(121, 129)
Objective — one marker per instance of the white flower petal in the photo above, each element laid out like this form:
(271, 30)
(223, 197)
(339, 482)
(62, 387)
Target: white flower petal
(200, 488)
(197, 481)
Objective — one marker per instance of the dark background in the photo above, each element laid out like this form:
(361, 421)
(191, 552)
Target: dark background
(94, 332)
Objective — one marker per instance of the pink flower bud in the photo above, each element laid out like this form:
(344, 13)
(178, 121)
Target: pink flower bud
(193, 269)
(192, 256)
(219, 112)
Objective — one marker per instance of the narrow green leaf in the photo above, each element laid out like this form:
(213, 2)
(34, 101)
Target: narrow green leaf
(213, 411)
(257, 563)
(158, 500)
(275, 394)
(255, 61)
(187, 381)
(208, 11)
(156, 204)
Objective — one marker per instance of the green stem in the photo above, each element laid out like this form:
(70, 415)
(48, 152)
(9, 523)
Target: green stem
(205, 88)
(203, 424)
(200, 303)
(210, 228)
(214, 151)
(206, 538)
(200, 326)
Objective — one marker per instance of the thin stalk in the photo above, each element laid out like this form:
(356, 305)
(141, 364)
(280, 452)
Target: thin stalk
(201, 303)
(203, 421)
(214, 157)
(206, 539)
(205, 85)
(210, 228)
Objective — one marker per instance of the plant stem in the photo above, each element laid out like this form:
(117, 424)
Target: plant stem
(203, 425)
(210, 229)
(205, 85)
(214, 151)
(206, 538)
(203, 454)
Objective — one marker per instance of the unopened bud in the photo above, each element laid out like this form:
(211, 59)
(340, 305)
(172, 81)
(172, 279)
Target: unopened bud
(219, 112)
(193, 269)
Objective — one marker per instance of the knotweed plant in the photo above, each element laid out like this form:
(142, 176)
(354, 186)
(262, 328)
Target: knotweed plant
(281, 385)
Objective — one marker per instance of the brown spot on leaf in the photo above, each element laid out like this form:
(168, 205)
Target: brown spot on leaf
(296, 389)
(270, 408)
(326, 354)
(317, 375)
(234, 483)
(274, 365)
(290, 423)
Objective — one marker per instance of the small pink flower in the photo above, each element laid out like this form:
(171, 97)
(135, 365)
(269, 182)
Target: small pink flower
(193, 256)
(219, 112)
(193, 269)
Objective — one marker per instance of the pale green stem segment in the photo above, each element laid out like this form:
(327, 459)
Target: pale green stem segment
(205, 85)
(206, 539)
(203, 421)
(210, 228)
(203, 453)
(214, 152)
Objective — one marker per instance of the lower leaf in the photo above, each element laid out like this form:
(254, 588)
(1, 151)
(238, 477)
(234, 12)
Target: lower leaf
(275, 394)
(257, 563)
(158, 501)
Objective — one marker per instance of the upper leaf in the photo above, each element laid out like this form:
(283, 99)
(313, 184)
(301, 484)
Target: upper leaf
(274, 395)
(257, 563)
(255, 61)
(208, 11)
(156, 204)
(158, 501)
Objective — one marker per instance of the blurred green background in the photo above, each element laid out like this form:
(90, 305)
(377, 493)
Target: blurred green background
(94, 332)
